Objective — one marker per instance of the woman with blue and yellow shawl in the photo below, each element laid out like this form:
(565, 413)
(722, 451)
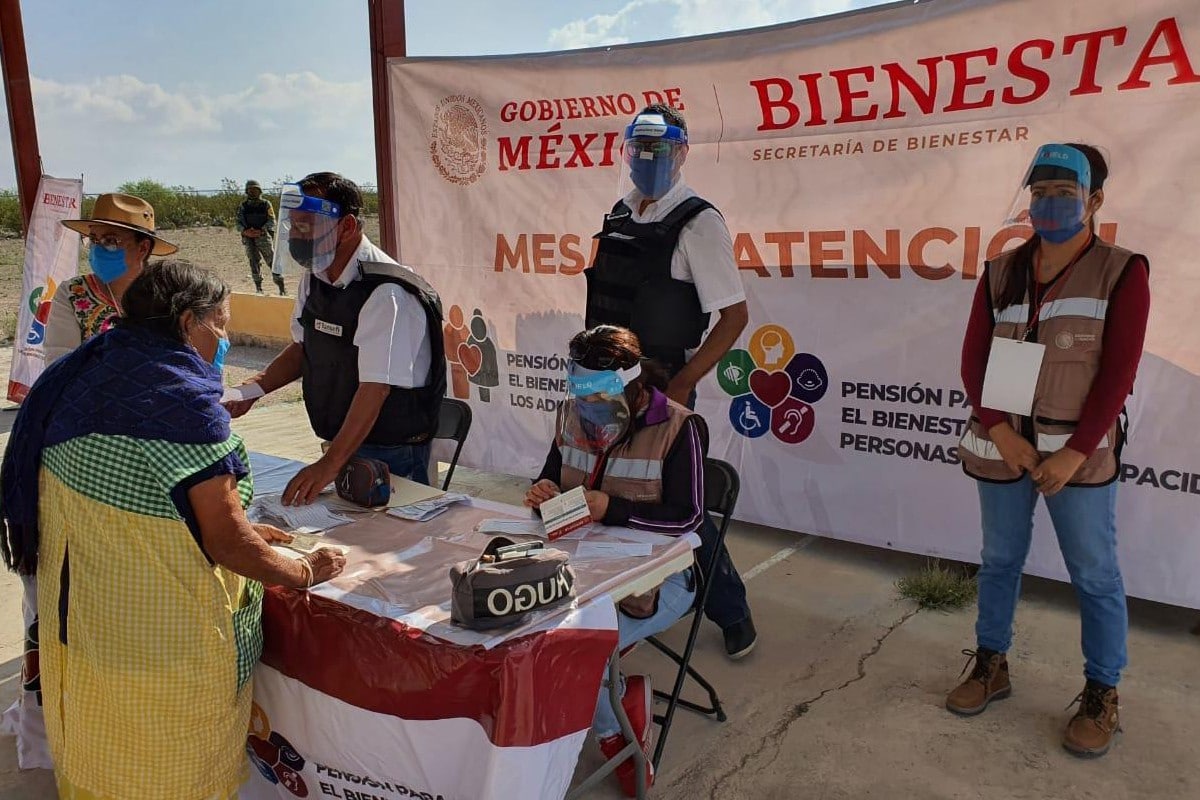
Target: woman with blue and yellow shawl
(123, 489)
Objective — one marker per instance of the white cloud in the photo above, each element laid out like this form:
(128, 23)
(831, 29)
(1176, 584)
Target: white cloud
(120, 127)
(685, 18)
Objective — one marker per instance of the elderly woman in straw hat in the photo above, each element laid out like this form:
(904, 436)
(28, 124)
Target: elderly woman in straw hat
(121, 238)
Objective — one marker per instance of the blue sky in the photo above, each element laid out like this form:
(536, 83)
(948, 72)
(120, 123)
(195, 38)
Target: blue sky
(191, 92)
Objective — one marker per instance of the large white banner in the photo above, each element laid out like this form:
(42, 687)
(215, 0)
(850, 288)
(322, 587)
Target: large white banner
(865, 164)
(51, 257)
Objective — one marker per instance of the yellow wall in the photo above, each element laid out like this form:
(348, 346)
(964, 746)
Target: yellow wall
(260, 319)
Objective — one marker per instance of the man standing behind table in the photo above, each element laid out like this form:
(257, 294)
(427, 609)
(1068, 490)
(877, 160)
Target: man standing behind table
(367, 340)
(256, 224)
(664, 264)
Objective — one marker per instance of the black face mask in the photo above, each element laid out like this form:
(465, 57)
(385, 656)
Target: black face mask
(304, 251)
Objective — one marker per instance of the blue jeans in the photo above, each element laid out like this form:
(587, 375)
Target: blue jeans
(1086, 526)
(674, 600)
(405, 460)
(726, 604)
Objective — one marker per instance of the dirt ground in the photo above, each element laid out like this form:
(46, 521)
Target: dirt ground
(219, 249)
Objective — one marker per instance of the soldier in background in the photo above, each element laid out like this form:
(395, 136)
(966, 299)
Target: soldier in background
(256, 223)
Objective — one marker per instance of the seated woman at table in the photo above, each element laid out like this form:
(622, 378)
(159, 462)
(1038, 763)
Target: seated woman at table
(123, 488)
(640, 458)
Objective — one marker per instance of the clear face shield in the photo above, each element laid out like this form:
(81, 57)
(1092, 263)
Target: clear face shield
(307, 232)
(652, 155)
(1054, 193)
(596, 414)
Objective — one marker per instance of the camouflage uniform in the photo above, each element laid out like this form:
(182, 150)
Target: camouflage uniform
(256, 213)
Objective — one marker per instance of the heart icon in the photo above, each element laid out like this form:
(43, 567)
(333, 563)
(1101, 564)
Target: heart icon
(770, 387)
(471, 357)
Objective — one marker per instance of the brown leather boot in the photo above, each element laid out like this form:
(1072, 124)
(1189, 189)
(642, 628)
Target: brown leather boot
(988, 682)
(1091, 731)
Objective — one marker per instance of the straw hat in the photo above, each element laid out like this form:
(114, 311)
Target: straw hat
(124, 211)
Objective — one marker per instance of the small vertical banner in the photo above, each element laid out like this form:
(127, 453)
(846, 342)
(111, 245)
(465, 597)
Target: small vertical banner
(51, 258)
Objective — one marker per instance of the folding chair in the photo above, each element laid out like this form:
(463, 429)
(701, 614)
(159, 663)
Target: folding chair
(454, 422)
(721, 486)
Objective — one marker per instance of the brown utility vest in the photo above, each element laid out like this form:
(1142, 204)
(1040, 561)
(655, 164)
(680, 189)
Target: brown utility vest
(1071, 326)
(634, 467)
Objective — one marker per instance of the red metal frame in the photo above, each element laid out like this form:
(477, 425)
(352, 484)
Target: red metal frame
(19, 96)
(387, 41)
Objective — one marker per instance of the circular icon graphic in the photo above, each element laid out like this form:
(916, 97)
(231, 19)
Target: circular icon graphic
(792, 421)
(287, 753)
(35, 298)
(263, 767)
(37, 333)
(749, 416)
(259, 726)
(1065, 340)
(458, 144)
(292, 780)
(778, 391)
(809, 378)
(733, 372)
(772, 347)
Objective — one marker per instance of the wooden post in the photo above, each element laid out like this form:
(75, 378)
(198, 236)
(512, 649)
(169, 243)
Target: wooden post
(20, 106)
(387, 41)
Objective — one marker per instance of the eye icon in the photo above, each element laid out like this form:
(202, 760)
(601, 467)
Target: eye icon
(734, 373)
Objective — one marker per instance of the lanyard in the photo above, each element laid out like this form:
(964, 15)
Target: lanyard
(597, 475)
(1056, 286)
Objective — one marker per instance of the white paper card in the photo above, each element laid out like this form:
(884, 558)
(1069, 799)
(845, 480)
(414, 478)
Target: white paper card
(236, 394)
(565, 513)
(291, 551)
(592, 551)
(512, 527)
(296, 519)
(1012, 375)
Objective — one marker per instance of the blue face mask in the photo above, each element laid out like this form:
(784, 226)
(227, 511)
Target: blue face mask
(108, 265)
(1056, 219)
(651, 176)
(219, 357)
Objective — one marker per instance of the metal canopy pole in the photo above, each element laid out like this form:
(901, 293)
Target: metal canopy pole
(387, 41)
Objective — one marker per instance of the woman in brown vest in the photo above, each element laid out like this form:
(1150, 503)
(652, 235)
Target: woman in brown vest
(640, 458)
(1080, 305)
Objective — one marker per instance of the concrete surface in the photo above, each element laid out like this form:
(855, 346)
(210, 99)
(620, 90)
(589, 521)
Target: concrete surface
(842, 699)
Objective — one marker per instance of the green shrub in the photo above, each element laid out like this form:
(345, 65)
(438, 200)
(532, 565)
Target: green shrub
(175, 206)
(939, 587)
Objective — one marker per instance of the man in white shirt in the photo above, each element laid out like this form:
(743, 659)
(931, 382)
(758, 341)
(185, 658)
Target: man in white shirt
(366, 340)
(664, 265)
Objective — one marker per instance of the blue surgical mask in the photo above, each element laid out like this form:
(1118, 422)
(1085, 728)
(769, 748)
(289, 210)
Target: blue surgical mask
(601, 413)
(652, 176)
(108, 265)
(219, 357)
(1056, 219)
(223, 345)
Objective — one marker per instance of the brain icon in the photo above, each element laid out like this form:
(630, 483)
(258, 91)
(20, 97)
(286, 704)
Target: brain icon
(773, 387)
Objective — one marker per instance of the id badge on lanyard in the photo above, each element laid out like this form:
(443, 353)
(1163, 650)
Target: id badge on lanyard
(1012, 375)
(1014, 365)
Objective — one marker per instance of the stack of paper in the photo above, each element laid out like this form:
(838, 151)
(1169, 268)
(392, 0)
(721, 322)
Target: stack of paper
(426, 509)
(296, 519)
(513, 527)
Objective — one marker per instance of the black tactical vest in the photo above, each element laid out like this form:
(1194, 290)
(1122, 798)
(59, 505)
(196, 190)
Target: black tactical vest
(330, 370)
(255, 213)
(630, 283)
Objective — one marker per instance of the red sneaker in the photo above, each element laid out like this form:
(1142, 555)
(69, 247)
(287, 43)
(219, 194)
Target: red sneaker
(637, 702)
